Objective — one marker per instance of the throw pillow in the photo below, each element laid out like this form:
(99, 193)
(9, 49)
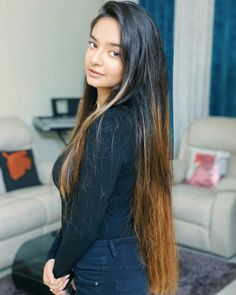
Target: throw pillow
(18, 169)
(207, 167)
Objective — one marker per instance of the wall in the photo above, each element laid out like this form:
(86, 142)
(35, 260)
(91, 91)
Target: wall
(42, 46)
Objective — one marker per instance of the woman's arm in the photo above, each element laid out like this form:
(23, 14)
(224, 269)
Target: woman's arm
(100, 169)
(55, 246)
(58, 238)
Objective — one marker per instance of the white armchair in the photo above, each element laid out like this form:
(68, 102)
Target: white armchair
(28, 212)
(205, 218)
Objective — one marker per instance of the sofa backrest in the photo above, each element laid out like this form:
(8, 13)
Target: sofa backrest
(14, 134)
(217, 133)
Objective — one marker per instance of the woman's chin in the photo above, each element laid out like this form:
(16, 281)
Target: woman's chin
(95, 84)
(91, 82)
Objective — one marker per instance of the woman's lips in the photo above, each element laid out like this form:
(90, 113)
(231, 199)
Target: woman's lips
(94, 74)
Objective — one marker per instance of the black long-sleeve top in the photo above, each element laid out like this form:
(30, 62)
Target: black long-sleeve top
(105, 187)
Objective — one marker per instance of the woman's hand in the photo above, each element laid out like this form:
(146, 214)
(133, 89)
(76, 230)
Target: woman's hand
(56, 286)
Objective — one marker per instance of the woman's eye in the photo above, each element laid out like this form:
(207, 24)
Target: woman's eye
(115, 53)
(92, 44)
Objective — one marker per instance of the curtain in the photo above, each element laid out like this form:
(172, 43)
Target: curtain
(163, 13)
(223, 71)
(192, 63)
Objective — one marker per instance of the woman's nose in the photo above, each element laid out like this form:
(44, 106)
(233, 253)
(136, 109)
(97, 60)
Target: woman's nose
(97, 57)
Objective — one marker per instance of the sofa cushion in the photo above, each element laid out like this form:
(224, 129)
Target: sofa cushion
(179, 170)
(48, 195)
(213, 133)
(18, 169)
(26, 209)
(227, 184)
(15, 134)
(206, 166)
(17, 217)
(193, 204)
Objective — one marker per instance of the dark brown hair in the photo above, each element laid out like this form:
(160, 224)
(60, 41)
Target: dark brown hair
(145, 85)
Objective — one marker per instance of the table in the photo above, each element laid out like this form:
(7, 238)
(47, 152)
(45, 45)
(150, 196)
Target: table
(59, 124)
(27, 269)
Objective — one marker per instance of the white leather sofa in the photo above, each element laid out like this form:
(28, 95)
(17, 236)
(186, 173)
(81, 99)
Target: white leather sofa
(27, 212)
(205, 219)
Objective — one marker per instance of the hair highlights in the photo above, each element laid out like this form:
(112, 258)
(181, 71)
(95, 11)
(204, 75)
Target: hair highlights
(144, 90)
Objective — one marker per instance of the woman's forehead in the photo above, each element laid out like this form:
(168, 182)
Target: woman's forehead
(107, 30)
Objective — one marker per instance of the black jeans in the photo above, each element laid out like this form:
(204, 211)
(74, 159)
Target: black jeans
(111, 267)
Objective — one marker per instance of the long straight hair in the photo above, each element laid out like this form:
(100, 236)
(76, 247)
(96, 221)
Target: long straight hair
(144, 89)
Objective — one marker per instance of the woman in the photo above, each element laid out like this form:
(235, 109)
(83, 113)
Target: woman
(115, 174)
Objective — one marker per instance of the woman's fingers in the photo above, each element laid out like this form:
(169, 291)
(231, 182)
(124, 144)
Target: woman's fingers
(56, 286)
(48, 277)
(51, 281)
(60, 286)
(59, 293)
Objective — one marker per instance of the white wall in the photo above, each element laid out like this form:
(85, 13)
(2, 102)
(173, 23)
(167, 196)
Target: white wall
(42, 46)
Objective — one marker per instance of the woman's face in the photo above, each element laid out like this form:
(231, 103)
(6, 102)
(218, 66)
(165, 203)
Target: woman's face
(104, 68)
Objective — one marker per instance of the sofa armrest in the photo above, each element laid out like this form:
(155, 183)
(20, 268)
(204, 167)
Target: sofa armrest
(179, 170)
(45, 172)
(227, 184)
(222, 224)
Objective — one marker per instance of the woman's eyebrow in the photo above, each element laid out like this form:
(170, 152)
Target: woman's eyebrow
(114, 44)
(110, 43)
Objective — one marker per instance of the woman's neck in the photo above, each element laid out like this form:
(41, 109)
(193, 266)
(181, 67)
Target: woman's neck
(102, 95)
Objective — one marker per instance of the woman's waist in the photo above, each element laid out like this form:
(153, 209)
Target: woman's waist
(102, 247)
(116, 253)
(115, 228)
(116, 241)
